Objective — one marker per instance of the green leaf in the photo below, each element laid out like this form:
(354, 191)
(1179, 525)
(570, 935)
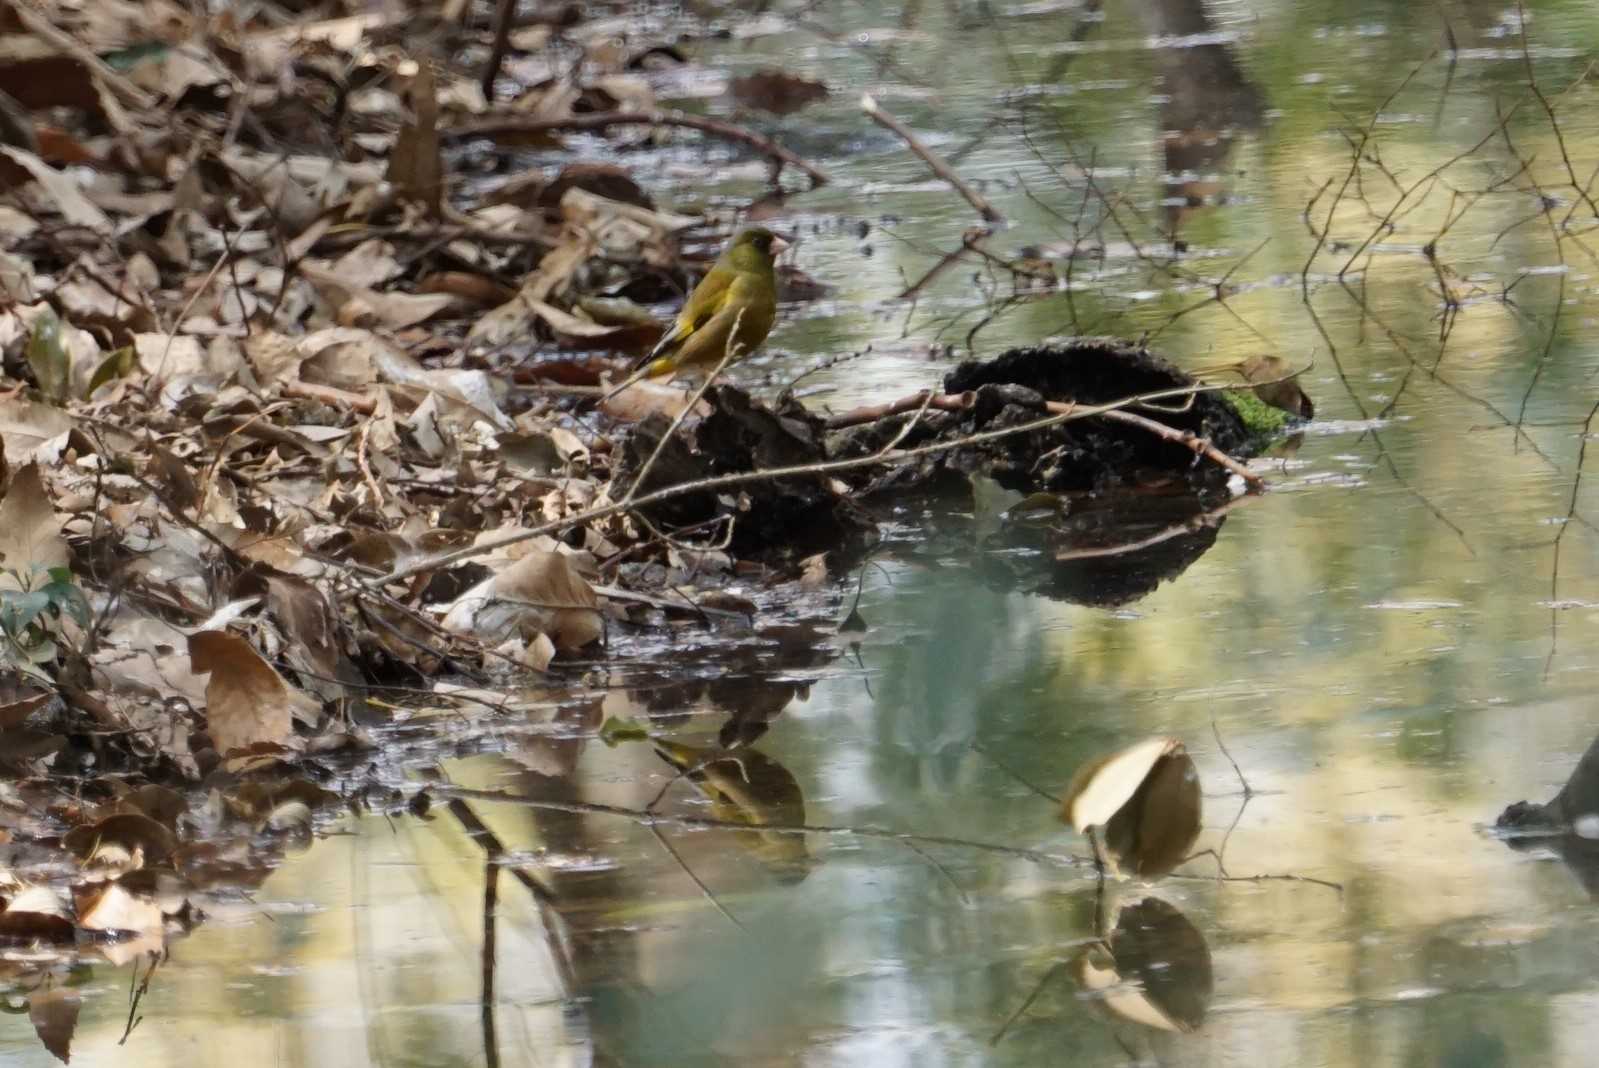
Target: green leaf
(18, 610)
(119, 363)
(125, 59)
(67, 597)
(48, 357)
(619, 729)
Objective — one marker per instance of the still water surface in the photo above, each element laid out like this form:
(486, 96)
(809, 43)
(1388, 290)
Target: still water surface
(1381, 640)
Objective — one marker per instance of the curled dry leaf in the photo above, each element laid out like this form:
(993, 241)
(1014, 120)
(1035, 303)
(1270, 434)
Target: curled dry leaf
(246, 701)
(1270, 377)
(1147, 798)
(541, 593)
(110, 907)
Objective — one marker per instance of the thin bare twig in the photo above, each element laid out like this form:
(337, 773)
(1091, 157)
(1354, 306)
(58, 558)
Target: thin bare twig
(931, 158)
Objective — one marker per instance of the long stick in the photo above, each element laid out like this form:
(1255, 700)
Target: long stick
(960, 402)
(929, 157)
(512, 124)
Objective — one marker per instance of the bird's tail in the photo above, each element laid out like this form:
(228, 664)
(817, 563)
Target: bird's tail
(648, 368)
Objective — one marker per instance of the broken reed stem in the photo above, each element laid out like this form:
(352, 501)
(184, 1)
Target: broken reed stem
(960, 402)
(886, 455)
(512, 124)
(929, 157)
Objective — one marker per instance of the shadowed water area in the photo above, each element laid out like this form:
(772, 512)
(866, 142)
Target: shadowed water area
(1395, 642)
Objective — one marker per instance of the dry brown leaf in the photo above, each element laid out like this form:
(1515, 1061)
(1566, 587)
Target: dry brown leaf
(397, 310)
(1147, 799)
(246, 700)
(514, 318)
(109, 907)
(69, 199)
(1101, 787)
(539, 593)
(30, 529)
(26, 426)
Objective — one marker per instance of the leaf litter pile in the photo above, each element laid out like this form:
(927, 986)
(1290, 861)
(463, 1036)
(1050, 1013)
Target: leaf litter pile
(300, 433)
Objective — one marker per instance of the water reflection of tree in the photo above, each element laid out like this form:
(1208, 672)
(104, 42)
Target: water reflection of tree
(1207, 99)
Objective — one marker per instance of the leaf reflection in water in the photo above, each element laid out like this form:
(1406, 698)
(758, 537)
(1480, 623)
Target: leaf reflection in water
(748, 787)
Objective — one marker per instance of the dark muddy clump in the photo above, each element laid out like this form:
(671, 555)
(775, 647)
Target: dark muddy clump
(1090, 454)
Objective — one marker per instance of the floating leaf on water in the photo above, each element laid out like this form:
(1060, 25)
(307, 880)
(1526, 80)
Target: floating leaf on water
(1147, 798)
(1101, 787)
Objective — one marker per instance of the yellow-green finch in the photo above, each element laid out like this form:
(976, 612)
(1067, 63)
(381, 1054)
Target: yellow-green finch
(734, 306)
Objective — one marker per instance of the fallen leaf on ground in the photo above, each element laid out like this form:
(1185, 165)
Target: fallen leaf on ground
(246, 701)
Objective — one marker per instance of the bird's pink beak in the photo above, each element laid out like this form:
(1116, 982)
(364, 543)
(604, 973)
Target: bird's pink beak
(779, 246)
